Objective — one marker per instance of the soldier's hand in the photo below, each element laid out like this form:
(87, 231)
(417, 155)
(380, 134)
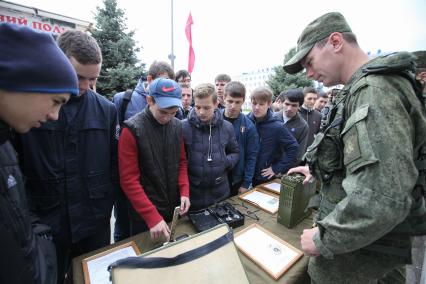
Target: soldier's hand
(268, 173)
(304, 170)
(159, 230)
(307, 242)
(184, 205)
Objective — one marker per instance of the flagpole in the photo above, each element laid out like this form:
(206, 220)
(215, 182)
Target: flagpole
(172, 56)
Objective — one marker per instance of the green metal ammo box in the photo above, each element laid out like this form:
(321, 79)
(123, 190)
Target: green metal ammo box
(294, 198)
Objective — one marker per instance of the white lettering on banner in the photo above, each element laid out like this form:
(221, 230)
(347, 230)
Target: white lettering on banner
(34, 23)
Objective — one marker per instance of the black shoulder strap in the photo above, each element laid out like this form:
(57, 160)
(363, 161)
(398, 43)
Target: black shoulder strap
(124, 103)
(159, 262)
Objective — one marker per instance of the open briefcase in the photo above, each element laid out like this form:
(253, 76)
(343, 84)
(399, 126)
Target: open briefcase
(207, 257)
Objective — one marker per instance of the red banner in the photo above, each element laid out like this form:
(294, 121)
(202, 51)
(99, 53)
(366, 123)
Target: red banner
(191, 58)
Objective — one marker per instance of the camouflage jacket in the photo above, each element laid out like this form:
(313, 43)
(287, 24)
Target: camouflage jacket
(366, 161)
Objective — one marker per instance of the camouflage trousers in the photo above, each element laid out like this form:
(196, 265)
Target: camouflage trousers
(357, 267)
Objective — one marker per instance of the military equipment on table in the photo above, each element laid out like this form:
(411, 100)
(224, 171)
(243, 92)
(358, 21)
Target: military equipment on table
(294, 199)
(216, 214)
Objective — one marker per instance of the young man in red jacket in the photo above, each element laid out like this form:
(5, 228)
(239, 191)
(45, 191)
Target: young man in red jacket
(152, 161)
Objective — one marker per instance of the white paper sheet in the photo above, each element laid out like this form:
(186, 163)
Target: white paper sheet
(263, 200)
(274, 186)
(98, 268)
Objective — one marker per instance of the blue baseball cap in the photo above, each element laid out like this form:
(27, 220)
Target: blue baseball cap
(32, 62)
(166, 93)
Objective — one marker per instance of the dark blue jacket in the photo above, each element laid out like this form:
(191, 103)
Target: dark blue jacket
(248, 142)
(212, 151)
(136, 104)
(273, 138)
(71, 167)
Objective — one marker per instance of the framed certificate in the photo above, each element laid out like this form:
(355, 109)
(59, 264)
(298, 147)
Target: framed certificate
(95, 268)
(262, 199)
(274, 186)
(268, 251)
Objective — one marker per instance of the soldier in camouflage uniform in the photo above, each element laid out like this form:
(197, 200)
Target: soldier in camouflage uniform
(367, 157)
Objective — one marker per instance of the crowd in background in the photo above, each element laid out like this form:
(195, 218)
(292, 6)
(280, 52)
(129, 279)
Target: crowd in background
(163, 144)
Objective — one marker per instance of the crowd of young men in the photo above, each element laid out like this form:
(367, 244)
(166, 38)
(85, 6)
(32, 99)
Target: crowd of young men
(165, 144)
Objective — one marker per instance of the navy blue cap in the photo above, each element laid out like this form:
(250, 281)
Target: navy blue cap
(31, 61)
(166, 93)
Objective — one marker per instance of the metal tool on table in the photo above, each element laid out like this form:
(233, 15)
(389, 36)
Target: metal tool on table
(174, 222)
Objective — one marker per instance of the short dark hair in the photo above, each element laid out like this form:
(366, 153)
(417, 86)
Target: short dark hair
(81, 46)
(159, 67)
(294, 96)
(307, 90)
(223, 77)
(182, 74)
(235, 89)
(323, 95)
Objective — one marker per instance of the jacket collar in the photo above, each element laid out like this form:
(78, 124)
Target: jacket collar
(193, 119)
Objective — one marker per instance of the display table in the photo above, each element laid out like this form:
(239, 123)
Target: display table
(296, 274)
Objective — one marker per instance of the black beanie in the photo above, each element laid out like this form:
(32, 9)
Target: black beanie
(31, 61)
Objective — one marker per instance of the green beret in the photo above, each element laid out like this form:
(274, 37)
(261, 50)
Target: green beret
(421, 58)
(313, 33)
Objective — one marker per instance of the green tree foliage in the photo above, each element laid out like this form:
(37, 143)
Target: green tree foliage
(120, 67)
(282, 81)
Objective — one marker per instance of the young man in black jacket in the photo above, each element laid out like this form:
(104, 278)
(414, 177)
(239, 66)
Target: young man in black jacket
(309, 114)
(295, 124)
(71, 164)
(36, 80)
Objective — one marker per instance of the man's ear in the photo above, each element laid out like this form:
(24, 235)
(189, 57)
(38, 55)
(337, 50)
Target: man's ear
(336, 40)
(150, 100)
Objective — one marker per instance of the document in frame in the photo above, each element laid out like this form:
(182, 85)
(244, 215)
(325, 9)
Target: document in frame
(271, 253)
(272, 186)
(262, 199)
(96, 267)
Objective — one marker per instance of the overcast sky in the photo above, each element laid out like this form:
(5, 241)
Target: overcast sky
(235, 36)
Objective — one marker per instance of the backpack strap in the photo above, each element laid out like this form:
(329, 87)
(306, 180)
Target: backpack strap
(126, 99)
(403, 68)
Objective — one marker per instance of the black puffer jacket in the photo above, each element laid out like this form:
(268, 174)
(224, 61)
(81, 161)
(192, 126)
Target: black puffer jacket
(212, 151)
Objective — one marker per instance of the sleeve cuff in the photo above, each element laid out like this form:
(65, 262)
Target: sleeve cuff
(152, 218)
(246, 184)
(325, 252)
